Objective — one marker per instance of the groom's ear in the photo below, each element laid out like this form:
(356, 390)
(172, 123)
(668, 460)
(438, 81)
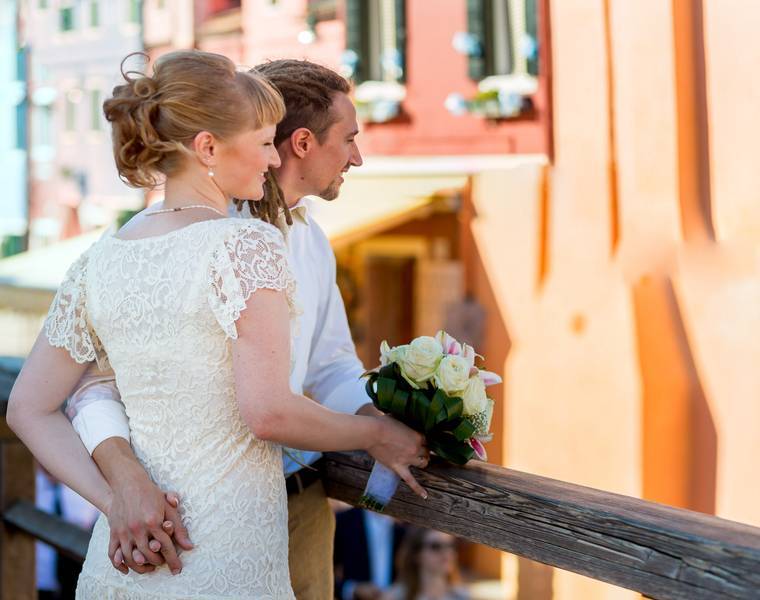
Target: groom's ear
(301, 141)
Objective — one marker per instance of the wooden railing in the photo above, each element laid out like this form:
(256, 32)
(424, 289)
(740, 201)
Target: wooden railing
(660, 551)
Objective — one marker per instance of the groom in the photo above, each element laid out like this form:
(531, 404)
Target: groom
(316, 143)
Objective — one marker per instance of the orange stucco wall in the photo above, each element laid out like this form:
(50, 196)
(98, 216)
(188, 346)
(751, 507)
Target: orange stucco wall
(627, 271)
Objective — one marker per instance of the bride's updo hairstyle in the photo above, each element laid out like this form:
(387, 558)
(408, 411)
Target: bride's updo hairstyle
(154, 119)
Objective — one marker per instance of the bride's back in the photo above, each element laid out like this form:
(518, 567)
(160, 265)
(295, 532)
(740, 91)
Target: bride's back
(160, 301)
(164, 309)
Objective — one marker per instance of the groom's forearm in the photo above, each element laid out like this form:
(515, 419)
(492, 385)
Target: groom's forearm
(118, 463)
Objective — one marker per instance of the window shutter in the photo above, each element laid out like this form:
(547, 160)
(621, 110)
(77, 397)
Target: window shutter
(531, 28)
(401, 35)
(476, 28)
(354, 22)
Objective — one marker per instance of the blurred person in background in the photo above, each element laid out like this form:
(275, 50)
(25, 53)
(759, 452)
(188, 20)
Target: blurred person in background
(57, 574)
(48, 586)
(427, 568)
(366, 544)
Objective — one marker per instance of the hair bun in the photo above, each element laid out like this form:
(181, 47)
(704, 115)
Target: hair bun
(154, 118)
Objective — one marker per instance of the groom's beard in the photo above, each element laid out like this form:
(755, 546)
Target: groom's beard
(331, 192)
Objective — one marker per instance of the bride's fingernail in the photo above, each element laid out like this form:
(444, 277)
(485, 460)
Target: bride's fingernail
(176, 571)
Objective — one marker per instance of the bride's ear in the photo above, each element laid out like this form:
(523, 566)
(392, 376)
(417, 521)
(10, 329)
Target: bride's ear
(204, 146)
(301, 141)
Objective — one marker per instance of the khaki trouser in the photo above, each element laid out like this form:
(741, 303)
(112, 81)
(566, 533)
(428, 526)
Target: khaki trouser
(311, 527)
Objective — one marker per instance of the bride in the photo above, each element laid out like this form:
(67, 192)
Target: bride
(193, 311)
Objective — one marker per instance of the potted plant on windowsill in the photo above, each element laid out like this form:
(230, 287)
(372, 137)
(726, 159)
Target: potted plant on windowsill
(498, 97)
(378, 101)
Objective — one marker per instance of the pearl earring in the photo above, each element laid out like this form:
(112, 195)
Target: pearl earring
(210, 171)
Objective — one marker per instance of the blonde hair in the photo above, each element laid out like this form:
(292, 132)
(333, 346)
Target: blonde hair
(154, 119)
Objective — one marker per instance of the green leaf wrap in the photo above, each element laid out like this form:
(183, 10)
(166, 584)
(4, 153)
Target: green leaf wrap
(429, 411)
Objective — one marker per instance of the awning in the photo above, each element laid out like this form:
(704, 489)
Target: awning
(367, 205)
(371, 204)
(28, 281)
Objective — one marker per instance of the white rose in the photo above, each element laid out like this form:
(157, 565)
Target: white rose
(420, 360)
(452, 374)
(391, 355)
(474, 396)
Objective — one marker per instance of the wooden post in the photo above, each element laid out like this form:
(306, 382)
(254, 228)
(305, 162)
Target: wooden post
(17, 572)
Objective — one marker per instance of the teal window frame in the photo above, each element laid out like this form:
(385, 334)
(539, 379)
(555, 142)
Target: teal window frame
(66, 18)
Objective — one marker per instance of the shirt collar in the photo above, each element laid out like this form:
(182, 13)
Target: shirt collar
(300, 210)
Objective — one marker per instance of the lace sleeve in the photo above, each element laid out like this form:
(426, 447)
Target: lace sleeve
(67, 325)
(251, 258)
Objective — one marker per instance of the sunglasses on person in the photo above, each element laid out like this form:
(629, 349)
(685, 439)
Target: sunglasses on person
(438, 546)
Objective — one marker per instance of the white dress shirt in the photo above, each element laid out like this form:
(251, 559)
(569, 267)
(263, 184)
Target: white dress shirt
(326, 367)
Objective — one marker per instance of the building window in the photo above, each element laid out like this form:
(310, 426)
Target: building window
(213, 7)
(134, 11)
(21, 60)
(502, 38)
(66, 18)
(71, 99)
(43, 132)
(375, 40)
(321, 10)
(94, 13)
(21, 125)
(96, 124)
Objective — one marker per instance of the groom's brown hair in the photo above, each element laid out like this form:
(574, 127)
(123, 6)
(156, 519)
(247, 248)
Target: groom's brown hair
(308, 90)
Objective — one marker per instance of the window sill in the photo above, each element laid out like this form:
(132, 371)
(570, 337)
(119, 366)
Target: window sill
(499, 97)
(378, 101)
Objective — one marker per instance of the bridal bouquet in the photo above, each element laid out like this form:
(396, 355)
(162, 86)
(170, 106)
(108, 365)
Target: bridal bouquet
(433, 386)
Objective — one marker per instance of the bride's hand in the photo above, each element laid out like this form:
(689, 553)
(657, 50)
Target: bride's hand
(142, 520)
(398, 447)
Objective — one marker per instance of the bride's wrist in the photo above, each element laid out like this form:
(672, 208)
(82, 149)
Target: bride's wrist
(375, 433)
(104, 503)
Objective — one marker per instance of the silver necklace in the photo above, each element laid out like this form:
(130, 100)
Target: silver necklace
(179, 208)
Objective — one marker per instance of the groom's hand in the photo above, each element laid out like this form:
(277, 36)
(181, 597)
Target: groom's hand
(142, 525)
(141, 517)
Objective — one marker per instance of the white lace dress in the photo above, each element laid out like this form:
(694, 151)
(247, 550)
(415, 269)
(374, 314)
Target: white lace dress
(162, 310)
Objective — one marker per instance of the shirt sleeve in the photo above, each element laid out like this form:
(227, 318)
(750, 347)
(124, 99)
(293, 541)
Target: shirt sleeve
(333, 376)
(95, 409)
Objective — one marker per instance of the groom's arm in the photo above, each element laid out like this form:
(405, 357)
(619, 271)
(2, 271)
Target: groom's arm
(95, 408)
(139, 508)
(333, 376)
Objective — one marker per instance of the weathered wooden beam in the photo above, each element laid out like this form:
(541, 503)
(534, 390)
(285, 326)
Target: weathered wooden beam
(68, 539)
(17, 580)
(660, 551)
